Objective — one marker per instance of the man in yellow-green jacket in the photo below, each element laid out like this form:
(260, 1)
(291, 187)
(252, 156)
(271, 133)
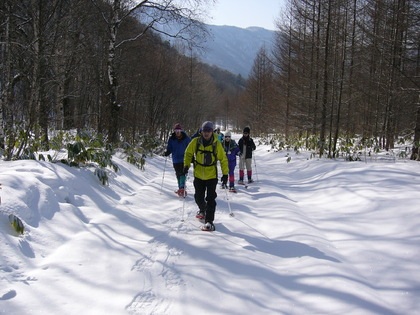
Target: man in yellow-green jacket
(204, 152)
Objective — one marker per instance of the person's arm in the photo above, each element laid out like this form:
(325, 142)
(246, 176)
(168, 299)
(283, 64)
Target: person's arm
(189, 153)
(221, 156)
(253, 145)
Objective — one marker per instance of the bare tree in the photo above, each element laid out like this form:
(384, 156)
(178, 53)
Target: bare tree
(259, 93)
(416, 142)
(150, 13)
(350, 63)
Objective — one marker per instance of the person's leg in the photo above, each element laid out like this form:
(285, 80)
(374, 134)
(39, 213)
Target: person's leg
(241, 170)
(211, 199)
(179, 172)
(199, 195)
(231, 176)
(248, 163)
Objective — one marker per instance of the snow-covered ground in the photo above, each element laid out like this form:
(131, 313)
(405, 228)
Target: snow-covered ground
(309, 237)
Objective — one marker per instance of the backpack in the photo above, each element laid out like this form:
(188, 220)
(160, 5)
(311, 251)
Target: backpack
(207, 155)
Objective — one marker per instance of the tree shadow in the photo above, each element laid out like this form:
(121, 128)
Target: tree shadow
(280, 248)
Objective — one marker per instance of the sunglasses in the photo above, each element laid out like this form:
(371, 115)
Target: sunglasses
(227, 137)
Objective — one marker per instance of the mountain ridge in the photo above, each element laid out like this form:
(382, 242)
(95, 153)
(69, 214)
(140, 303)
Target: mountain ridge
(227, 47)
(233, 48)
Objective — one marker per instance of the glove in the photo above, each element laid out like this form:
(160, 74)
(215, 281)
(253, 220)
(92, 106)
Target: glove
(224, 179)
(186, 170)
(166, 153)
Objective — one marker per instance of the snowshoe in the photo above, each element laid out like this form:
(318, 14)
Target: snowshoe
(181, 192)
(209, 227)
(241, 182)
(232, 190)
(200, 215)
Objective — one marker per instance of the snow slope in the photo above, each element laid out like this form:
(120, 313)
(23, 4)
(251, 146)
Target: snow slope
(309, 237)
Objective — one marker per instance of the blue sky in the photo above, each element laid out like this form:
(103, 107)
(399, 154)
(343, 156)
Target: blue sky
(245, 13)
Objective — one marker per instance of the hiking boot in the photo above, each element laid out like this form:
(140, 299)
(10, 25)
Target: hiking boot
(250, 181)
(208, 227)
(224, 186)
(232, 189)
(241, 182)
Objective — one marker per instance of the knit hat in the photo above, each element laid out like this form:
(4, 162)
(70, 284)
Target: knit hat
(228, 134)
(177, 127)
(247, 130)
(207, 126)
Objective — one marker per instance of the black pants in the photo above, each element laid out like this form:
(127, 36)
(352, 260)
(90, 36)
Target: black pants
(205, 203)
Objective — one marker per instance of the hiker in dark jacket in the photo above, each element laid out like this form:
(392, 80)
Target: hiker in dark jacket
(177, 144)
(246, 146)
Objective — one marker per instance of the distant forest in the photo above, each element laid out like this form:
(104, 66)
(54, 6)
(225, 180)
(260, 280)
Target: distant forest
(339, 69)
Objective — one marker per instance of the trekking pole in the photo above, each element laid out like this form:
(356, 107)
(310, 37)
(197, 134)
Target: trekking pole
(228, 202)
(183, 202)
(163, 175)
(255, 164)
